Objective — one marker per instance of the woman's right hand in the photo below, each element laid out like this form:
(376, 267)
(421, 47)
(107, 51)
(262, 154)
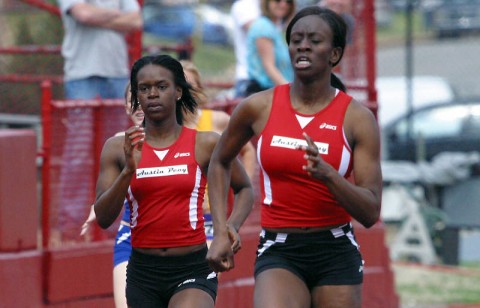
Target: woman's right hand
(220, 254)
(134, 139)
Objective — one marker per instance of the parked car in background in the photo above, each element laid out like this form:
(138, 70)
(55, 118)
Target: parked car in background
(430, 130)
(453, 18)
(168, 21)
(392, 99)
(426, 90)
(180, 21)
(401, 5)
(216, 26)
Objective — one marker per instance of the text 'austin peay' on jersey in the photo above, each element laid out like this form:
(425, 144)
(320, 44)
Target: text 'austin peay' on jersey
(166, 196)
(290, 197)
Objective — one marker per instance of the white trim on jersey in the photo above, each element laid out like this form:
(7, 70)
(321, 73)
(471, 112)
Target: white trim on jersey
(160, 154)
(193, 207)
(134, 214)
(266, 179)
(345, 161)
(303, 121)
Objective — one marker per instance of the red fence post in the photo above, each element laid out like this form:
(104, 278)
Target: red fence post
(370, 54)
(97, 149)
(46, 88)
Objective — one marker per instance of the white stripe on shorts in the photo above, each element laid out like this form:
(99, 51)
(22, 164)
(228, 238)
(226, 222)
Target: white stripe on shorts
(280, 238)
(337, 232)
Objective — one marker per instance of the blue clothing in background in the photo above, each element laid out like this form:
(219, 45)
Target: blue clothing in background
(96, 87)
(123, 245)
(265, 28)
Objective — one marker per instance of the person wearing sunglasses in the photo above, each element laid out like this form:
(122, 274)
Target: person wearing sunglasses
(268, 62)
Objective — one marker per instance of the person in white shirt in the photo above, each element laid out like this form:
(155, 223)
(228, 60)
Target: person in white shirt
(243, 12)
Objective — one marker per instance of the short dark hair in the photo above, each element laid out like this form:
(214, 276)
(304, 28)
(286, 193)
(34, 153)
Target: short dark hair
(336, 23)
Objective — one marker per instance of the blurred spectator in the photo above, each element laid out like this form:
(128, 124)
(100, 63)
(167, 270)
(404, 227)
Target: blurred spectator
(96, 66)
(244, 13)
(344, 9)
(94, 46)
(213, 120)
(268, 59)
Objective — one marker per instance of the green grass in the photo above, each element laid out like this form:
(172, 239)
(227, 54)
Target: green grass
(213, 61)
(419, 285)
(397, 30)
(475, 265)
(217, 62)
(29, 27)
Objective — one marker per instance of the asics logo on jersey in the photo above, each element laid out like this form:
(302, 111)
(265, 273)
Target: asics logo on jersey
(182, 155)
(327, 126)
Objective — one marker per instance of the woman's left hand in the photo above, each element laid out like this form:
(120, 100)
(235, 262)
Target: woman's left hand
(316, 166)
(234, 239)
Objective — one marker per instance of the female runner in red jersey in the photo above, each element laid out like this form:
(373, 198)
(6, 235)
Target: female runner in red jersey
(161, 169)
(311, 138)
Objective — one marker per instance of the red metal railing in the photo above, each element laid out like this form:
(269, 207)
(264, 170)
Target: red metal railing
(45, 154)
(358, 72)
(59, 183)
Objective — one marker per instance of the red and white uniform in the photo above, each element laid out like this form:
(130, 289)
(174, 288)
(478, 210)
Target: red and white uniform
(166, 196)
(291, 198)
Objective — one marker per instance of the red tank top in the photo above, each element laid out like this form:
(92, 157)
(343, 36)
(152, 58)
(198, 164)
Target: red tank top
(166, 196)
(291, 198)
